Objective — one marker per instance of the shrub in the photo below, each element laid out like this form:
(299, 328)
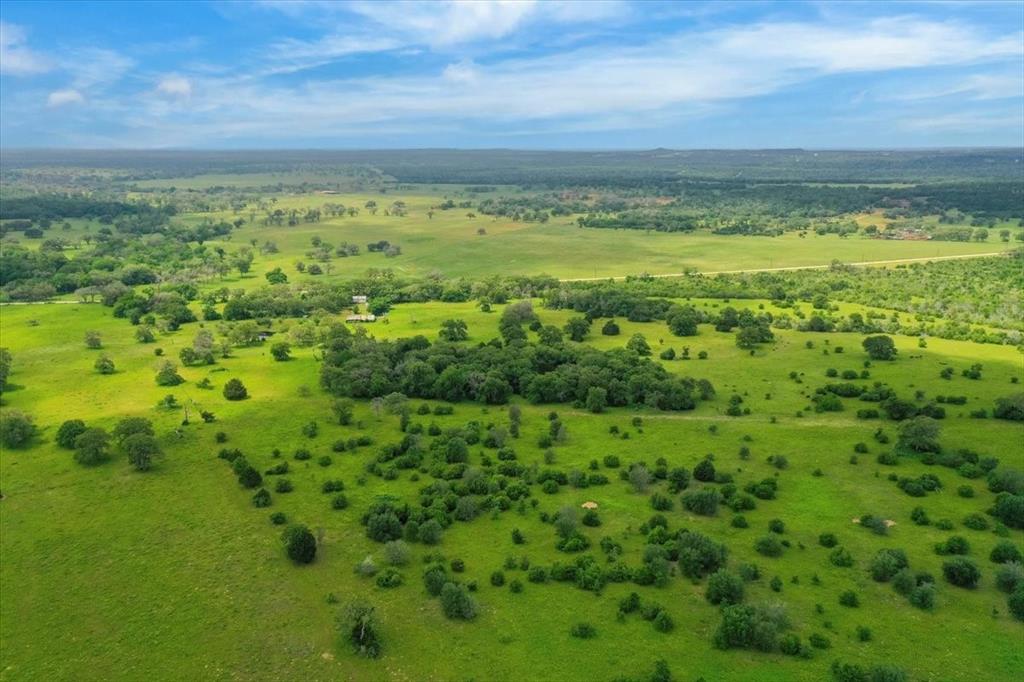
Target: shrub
(283, 486)
(235, 390)
(849, 598)
(389, 578)
(769, 546)
(962, 572)
(840, 556)
(16, 429)
(92, 447)
(278, 518)
(339, 502)
(887, 563)
(702, 502)
(68, 432)
(819, 641)
(261, 498)
(358, 625)
(724, 588)
(953, 545)
(750, 627)
(1004, 552)
(975, 521)
(497, 578)
(583, 631)
(699, 555)
(1015, 603)
(1010, 576)
(299, 544)
(457, 603)
(923, 596)
(704, 471)
(828, 540)
(397, 552)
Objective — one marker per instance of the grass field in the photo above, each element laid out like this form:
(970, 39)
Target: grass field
(174, 575)
(449, 243)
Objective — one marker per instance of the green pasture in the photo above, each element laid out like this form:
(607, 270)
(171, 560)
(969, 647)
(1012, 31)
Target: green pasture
(173, 574)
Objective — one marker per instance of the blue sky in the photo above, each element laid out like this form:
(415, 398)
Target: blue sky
(516, 74)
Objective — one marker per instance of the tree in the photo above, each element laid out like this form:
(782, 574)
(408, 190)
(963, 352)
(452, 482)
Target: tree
(276, 276)
(704, 471)
(92, 447)
(93, 339)
(454, 330)
(234, 389)
(577, 328)
(358, 625)
(1011, 407)
(16, 428)
(639, 477)
(68, 432)
(168, 375)
(920, 434)
(6, 361)
(597, 399)
(456, 602)
(343, 409)
(638, 344)
(880, 347)
(104, 365)
(961, 571)
(682, 320)
(610, 328)
(129, 426)
(299, 543)
(140, 448)
(724, 588)
(281, 351)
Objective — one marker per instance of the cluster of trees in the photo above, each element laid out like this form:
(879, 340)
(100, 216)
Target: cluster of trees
(361, 367)
(134, 436)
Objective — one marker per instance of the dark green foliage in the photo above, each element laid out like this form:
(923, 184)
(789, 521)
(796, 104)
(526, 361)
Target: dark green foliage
(704, 471)
(750, 627)
(92, 447)
(358, 625)
(962, 572)
(141, 448)
(699, 555)
(703, 502)
(1004, 552)
(887, 563)
(457, 603)
(16, 428)
(849, 598)
(299, 544)
(879, 347)
(261, 498)
(724, 588)
(583, 631)
(234, 389)
(828, 540)
(68, 432)
(769, 546)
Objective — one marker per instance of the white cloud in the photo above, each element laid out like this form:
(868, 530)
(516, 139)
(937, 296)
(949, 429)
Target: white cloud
(95, 67)
(60, 98)
(175, 86)
(16, 58)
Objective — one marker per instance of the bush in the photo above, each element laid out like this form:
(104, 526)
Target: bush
(278, 518)
(1010, 576)
(702, 502)
(397, 552)
(457, 603)
(1015, 603)
(358, 625)
(923, 596)
(828, 540)
(389, 578)
(699, 555)
(887, 563)
(724, 588)
(704, 471)
(261, 498)
(849, 598)
(68, 432)
(92, 447)
(583, 631)
(283, 486)
(750, 627)
(497, 578)
(962, 572)
(235, 390)
(1005, 552)
(953, 545)
(339, 502)
(769, 546)
(299, 544)
(16, 429)
(841, 557)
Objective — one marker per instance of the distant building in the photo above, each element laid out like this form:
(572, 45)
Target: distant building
(265, 334)
(360, 318)
(359, 299)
